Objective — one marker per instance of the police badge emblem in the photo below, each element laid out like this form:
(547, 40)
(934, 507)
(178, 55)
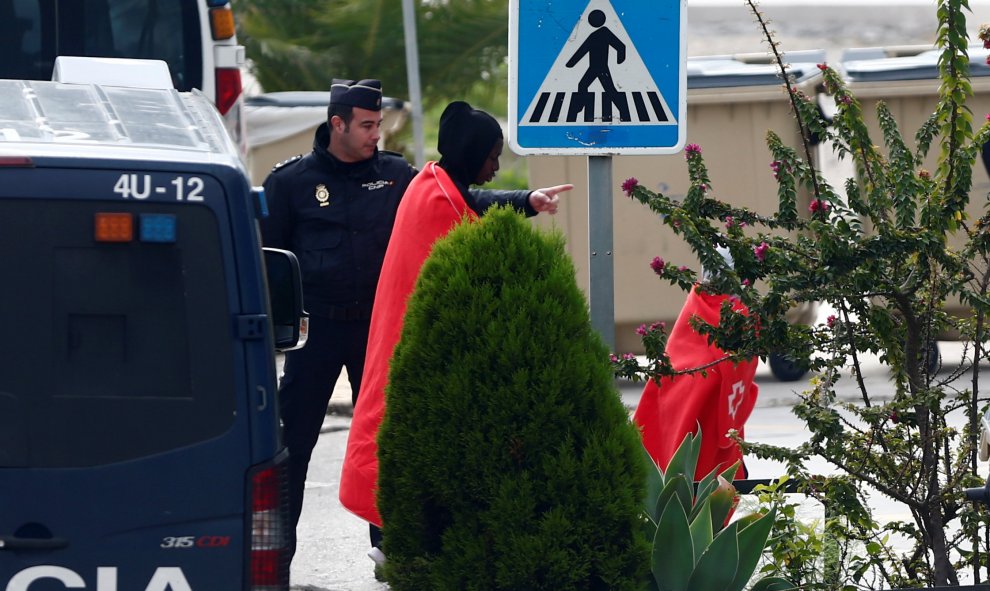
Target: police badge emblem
(322, 195)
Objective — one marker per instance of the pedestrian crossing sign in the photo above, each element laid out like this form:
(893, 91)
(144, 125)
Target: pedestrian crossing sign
(597, 77)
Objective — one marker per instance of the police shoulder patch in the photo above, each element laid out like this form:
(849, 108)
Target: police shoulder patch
(285, 162)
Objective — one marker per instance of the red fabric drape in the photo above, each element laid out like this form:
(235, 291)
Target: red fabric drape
(719, 402)
(431, 207)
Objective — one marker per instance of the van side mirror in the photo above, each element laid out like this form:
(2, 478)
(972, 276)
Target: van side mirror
(290, 323)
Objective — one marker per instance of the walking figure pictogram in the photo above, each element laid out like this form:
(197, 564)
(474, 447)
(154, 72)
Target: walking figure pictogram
(596, 47)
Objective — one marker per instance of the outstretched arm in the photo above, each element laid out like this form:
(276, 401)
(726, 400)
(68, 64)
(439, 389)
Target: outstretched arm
(527, 202)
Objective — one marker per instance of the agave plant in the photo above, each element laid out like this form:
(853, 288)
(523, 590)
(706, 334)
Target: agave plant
(696, 546)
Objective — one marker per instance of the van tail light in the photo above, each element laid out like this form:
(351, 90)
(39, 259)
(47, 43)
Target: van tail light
(228, 81)
(268, 558)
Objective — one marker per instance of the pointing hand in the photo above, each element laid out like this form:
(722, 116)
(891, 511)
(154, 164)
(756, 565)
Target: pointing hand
(545, 200)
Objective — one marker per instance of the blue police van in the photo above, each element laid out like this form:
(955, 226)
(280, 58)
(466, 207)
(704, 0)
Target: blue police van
(139, 439)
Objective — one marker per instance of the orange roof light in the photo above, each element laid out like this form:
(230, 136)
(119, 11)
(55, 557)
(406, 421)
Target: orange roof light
(114, 227)
(222, 23)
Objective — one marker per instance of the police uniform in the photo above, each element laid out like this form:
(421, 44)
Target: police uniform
(336, 217)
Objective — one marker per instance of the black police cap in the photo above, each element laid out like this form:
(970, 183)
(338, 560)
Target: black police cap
(364, 94)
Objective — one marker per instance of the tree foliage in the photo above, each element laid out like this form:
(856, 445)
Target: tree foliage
(302, 44)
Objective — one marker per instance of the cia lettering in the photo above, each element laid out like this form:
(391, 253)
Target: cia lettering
(165, 578)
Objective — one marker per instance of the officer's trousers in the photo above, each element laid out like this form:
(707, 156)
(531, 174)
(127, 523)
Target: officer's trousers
(308, 380)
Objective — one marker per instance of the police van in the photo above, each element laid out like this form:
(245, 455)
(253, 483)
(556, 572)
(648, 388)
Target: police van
(139, 439)
(196, 38)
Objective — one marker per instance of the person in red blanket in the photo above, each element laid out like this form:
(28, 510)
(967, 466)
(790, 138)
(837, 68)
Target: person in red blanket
(716, 402)
(470, 143)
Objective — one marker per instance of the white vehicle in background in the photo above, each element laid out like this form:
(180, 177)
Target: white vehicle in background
(196, 38)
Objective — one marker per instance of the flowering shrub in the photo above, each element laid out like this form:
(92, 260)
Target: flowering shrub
(880, 255)
(629, 185)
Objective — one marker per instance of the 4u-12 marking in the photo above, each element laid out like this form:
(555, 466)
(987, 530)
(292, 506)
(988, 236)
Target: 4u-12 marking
(141, 186)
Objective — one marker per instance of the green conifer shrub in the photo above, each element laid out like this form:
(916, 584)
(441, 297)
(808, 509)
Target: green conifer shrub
(507, 460)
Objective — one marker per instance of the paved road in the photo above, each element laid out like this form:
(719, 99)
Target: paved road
(331, 542)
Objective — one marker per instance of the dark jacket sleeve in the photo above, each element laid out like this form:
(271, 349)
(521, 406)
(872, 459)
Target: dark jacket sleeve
(276, 229)
(481, 199)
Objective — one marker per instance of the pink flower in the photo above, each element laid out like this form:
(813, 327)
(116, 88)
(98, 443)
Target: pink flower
(628, 357)
(657, 264)
(830, 321)
(730, 222)
(682, 268)
(846, 99)
(658, 325)
(761, 251)
(613, 358)
(818, 206)
(641, 331)
(746, 282)
(692, 149)
(823, 67)
(775, 167)
(630, 184)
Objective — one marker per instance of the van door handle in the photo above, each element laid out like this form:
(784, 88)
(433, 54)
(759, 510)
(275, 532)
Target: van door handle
(263, 395)
(15, 543)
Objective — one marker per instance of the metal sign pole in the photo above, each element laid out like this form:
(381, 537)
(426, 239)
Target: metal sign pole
(601, 287)
(412, 68)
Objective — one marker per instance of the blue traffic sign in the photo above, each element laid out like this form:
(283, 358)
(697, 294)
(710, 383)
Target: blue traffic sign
(597, 77)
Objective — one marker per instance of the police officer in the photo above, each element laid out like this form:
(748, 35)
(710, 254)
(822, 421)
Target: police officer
(334, 209)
